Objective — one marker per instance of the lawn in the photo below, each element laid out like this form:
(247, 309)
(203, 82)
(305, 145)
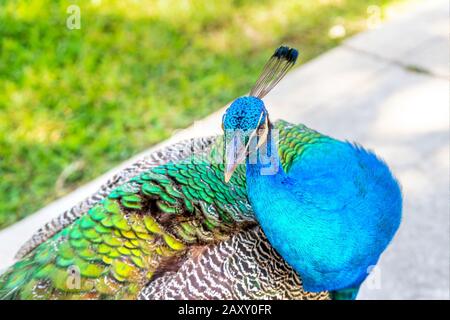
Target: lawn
(75, 103)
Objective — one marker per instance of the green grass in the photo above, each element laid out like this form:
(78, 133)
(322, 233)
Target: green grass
(74, 103)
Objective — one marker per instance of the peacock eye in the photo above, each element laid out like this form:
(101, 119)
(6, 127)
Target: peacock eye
(263, 126)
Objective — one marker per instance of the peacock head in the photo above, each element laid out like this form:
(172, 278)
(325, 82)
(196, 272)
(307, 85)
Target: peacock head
(246, 122)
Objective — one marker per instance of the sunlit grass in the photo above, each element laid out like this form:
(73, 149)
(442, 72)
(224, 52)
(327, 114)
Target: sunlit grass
(74, 103)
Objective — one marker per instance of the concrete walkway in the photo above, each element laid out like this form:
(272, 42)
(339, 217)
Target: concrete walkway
(387, 89)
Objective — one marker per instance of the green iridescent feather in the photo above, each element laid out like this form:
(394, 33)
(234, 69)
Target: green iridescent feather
(143, 226)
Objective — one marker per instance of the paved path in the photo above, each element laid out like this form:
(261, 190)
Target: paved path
(387, 89)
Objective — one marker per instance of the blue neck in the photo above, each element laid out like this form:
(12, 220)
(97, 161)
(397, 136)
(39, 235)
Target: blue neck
(266, 166)
(324, 215)
(290, 225)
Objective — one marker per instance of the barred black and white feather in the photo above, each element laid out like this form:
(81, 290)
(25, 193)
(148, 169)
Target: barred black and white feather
(242, 267)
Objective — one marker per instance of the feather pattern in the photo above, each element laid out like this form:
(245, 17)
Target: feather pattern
(156, 236)
(242, 267)
(138, 229)
(173, 153)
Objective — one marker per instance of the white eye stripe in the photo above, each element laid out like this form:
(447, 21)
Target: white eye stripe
(255, 132)
(264, 134)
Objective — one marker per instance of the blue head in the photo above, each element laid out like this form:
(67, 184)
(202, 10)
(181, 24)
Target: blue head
(246, 119)
(245, 113)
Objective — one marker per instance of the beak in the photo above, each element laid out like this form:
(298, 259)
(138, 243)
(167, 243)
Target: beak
(236, 150)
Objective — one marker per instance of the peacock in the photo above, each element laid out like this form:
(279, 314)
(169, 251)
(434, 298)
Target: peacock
(266, 211)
